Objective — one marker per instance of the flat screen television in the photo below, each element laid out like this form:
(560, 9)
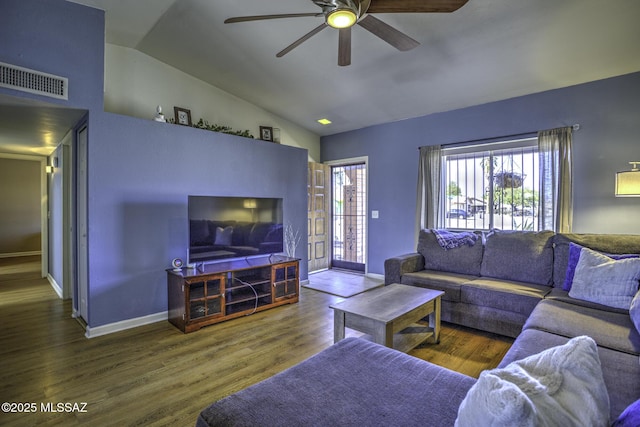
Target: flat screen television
(222, 227)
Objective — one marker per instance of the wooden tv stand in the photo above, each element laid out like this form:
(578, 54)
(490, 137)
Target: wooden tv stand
(225, 290)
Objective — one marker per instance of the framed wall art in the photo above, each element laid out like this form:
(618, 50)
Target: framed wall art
(183, 116)
(266, 133)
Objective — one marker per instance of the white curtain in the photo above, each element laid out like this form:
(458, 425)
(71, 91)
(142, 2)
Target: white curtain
(556, 199)
(429, 178)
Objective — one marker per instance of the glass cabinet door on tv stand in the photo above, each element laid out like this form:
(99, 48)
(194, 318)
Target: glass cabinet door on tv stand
(205, 297)
(285, 281)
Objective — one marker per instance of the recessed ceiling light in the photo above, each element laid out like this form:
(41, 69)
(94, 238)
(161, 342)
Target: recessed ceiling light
(324, 121)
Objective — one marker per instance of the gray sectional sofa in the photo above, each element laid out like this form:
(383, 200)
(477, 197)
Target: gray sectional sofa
(509, 283)
(493, 285)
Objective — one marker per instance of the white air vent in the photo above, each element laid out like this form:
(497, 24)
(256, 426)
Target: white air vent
(26, 80)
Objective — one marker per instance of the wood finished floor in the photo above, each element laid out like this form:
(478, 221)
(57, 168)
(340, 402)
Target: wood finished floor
(156, 376)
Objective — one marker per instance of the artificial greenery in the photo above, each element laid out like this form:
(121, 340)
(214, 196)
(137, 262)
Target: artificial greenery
(203, 124)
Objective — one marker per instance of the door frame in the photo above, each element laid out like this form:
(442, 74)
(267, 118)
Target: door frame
(347, 162)
(79, 238)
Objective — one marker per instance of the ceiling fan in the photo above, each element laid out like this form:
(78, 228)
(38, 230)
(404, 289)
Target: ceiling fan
(343, 14)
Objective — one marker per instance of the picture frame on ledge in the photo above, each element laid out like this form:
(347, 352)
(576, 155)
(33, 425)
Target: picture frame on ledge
(266, 133)
(183, 116)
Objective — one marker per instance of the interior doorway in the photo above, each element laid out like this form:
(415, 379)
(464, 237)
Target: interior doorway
(349, 215)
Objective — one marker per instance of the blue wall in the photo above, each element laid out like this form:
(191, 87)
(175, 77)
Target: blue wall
(57, 37)
(609, 137)
(140, 172)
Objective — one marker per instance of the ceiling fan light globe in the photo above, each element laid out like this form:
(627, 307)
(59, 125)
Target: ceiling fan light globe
(341, 18)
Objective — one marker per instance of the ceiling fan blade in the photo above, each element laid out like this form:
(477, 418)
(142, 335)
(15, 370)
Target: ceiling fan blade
(301, 40)
(344, 47)
(415, 6)
(263, 17)
(387, 33)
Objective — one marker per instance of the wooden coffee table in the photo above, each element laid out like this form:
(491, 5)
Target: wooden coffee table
(389, 314)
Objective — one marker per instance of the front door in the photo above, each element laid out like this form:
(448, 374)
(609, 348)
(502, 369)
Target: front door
(349, 213)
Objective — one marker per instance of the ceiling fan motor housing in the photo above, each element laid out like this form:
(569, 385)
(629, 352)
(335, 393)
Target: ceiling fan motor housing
(351, 9)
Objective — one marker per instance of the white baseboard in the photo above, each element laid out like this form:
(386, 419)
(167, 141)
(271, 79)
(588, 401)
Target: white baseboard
(19, 254)
(57, 288)
(125, 324)
(375, 276)
(133, 323)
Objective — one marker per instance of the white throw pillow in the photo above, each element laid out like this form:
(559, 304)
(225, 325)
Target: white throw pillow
(561, 386)
(604, 280)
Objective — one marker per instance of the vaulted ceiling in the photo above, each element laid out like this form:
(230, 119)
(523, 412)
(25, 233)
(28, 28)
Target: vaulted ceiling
(486, 51)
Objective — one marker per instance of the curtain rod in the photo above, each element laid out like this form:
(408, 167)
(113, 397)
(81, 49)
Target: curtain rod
(575, 127)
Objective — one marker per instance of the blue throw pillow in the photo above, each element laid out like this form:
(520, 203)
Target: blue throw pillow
(634, 312)
(574, 257)
(630, 417)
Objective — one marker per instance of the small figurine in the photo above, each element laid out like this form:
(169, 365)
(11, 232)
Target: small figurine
(159, 116)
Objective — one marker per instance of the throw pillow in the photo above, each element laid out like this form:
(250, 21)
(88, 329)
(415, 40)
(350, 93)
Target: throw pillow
(574, 256)
(634, 311)
(605, 281)
(630, 417)
(561, 386)
(223, 236)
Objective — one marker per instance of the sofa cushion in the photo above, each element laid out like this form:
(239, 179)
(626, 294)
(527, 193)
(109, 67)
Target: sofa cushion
(609, 243)
(560, 386)
(488, 319)
(519, 297)
(462, 260)
(574, 257)
(604, 280)
(561, 295)
(609, 329)
(449, 283)
(620, 370)
(354, 382)
(523, 256)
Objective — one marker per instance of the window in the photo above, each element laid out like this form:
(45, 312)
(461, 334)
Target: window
(491, 186)
(524, 184)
